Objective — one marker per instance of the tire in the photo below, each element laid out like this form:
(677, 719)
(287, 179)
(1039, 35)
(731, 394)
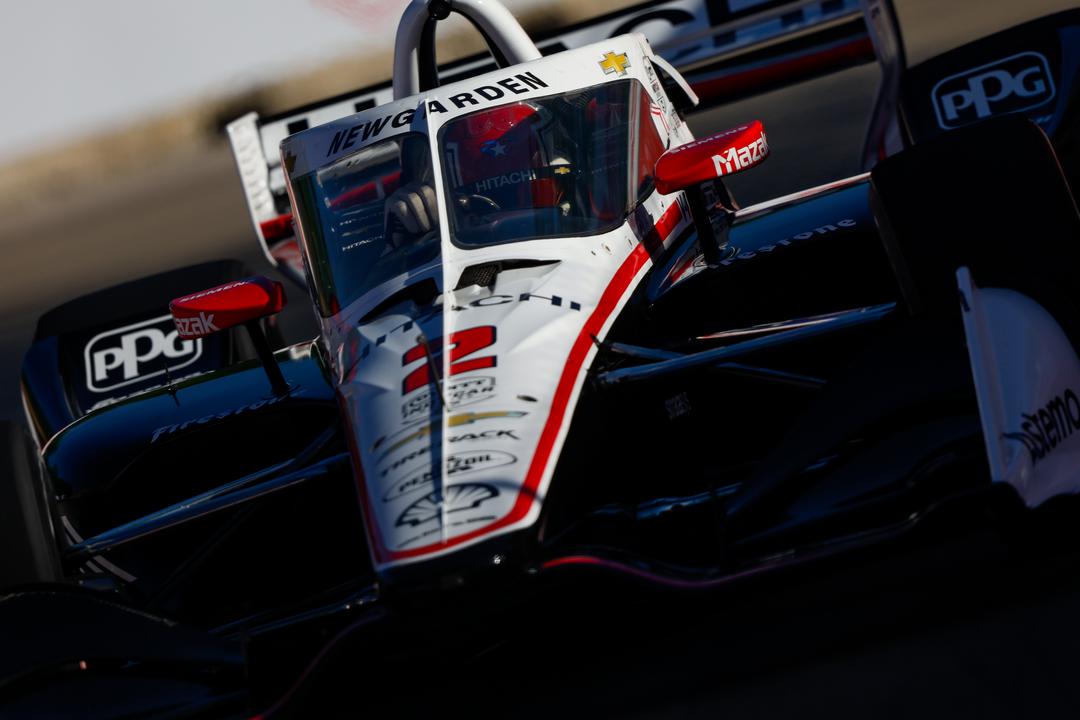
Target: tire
(28, 549)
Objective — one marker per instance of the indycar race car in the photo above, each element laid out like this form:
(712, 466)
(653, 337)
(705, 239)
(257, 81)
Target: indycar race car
(552, 348)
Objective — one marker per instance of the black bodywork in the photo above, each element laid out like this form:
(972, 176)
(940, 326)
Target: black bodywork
(1047, 48)
(203, 432)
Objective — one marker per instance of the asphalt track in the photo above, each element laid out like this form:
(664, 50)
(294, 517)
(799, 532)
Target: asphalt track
(979, 626)
(910, 637)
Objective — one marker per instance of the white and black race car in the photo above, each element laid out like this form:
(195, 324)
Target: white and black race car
(551, 345)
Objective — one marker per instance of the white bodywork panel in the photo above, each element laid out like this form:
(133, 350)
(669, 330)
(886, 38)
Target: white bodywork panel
(1027, 375)
(433, 481)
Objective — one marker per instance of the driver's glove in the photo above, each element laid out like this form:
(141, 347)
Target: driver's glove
(414, 206)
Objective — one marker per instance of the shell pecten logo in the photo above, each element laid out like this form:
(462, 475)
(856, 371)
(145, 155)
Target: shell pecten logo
(614, 64)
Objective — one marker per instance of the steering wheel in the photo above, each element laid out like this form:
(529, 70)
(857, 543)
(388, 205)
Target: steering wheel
(477, 208)
(470, 201)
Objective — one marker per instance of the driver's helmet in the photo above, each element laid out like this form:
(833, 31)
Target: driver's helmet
(500, 155)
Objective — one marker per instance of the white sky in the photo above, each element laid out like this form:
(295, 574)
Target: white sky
(72, 67)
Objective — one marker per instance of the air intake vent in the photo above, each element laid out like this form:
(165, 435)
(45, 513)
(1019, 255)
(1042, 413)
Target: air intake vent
(484, 274)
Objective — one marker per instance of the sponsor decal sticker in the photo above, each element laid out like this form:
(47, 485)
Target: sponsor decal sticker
(465, 462)
(420, 481)
(1013, 84)
(137, 352)
(458, 393)
(469, 390)
(514, 178)
(736, 159)
(466, 496)
(1042, 430)
(550, 300)
(405, 459)
(485, 435)
(212, 291)
(613, 64)
(466, 418)
(424, 431)
(659, 114)
(478, 460)
(166, 430)
(689, 269)
(193, 327)
(458, 464)
(357, 135)
(827, 229)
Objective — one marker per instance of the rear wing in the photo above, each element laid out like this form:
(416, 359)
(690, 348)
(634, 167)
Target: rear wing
(725, 49)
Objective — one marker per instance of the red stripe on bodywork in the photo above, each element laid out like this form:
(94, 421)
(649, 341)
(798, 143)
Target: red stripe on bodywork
(784, 72)
(624, 276)
(659, 233)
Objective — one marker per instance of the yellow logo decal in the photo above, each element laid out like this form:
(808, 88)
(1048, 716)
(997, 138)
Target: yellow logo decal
(612, 63)
(466, 418)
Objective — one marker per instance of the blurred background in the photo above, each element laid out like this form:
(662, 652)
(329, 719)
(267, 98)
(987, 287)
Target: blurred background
(113, 163)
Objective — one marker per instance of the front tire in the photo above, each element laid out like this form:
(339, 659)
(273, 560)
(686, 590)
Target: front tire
(28, 549)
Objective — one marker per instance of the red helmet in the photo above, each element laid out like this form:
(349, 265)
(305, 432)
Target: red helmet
(500, 154)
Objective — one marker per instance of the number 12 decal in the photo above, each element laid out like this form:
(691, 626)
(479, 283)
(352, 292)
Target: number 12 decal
(462, 344)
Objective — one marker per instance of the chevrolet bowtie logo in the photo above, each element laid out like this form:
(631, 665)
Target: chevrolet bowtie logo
(613, 63)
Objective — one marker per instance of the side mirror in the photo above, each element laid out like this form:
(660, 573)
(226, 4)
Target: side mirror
(235, 303)
(242, 302)
(696, 166)
(713, 157)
